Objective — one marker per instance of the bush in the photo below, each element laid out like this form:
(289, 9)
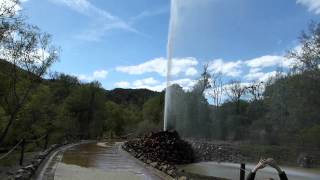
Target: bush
(310, 136)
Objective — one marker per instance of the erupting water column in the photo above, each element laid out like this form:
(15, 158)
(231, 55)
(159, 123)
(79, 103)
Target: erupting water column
(172, 27)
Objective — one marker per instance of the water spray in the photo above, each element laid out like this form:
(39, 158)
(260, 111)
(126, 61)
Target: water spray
(172, 28)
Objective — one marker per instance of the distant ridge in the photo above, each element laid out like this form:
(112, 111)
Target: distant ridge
(130, 96)
(118, 95)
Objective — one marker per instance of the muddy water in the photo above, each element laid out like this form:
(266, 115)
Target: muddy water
(232, 171)
(100, 161)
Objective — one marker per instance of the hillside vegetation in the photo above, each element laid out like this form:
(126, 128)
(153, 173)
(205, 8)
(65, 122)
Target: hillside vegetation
(66, 108)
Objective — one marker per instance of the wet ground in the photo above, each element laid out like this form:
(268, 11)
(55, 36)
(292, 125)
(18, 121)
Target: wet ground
(108, 161)
(232, 171)
(100, 161)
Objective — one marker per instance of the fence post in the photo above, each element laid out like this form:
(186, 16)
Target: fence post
(242, 171)
(22, 151)
(46, 142)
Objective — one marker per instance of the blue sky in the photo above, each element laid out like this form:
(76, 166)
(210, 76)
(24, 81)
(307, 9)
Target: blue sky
(122, 43)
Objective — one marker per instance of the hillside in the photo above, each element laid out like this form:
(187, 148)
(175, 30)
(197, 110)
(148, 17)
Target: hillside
(130, 96)
(120, 96)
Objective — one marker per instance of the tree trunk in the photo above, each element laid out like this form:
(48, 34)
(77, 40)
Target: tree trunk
(238, 107)
(6, 130)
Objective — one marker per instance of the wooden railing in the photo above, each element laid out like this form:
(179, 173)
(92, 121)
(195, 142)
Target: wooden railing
(22, 144)
(242, 171)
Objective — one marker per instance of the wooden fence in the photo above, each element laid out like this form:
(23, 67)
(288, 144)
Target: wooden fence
(22, 144)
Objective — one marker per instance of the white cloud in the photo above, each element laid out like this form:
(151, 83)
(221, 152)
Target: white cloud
(191, 71)
(185, 83)
(266, 61)
(267, 76)
(188, 67)
(103, 21)
(146, 81)
(158, 87)
(122, 84)
(252, 76)
(98, 74)
(255, 70)
(155, 85)
(312, 5)
(159, 65)
(232, 68)
(182, 65)
(256, 65)
(257, 75)
(235, 68)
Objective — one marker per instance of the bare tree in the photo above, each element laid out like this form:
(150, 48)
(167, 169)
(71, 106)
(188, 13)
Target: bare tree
(204, 82)
(255, 89)
(307, 58)
(216, 89)
(235, 90)
(30, 54)
(8, 8)
(9, 18)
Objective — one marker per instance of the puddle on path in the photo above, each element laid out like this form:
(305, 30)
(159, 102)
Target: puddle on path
(100, 161)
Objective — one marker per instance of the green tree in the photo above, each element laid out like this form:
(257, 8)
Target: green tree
(115, 121)
(153, 109)
(30, 53)
(84, 110)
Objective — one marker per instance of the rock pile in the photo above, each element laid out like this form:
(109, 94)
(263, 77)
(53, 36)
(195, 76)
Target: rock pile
(163, 146)
(221, 152)
(161, 150)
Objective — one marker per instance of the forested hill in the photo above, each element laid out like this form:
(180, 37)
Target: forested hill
(6, 67)
(65, 107)
(130, 96)
(135, 97)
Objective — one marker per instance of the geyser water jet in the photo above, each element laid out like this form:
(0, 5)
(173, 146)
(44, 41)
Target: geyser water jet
(172, 27)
